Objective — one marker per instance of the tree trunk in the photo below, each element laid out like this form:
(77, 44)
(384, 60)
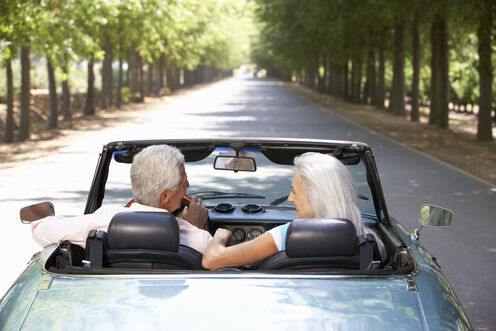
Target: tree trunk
(169, 77)
(110, 79)
(338, 81)
(25, 127)
(373, 79)
(369, 91)
(133, 68)
(397, 98)
(160, 74)
(149, 79)
(381, 84)
(434, 72)
(356, 77)
(66, 92)
(9, 120)
(130, 73)
(331, 78)
(106, 94)
(329, 74)
(415, 115)
(141, 78)
(346, 81)
(103, 99)
(89, 108)
(188, 78)
(323, 79)
(308, 76)
(443, 83)
(484, 125)
(52, 90)
(118, 92)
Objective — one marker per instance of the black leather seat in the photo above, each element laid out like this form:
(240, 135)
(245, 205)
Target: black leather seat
(147, 240)
(317, 244)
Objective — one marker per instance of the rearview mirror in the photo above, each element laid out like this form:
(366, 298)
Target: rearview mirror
(435, 216)
(235, 163)
(37, 211)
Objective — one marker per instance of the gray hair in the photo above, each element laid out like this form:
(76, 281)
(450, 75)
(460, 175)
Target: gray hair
(154, 169)
(330, 188)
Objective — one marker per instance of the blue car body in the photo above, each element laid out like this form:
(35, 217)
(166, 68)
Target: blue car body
(420, 299)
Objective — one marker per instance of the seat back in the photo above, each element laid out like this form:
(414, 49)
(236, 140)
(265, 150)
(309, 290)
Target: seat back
(317, 243)
(148, 240)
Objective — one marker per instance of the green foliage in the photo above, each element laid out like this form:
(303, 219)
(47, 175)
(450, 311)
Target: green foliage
(294, 33)
(189, 32)
(464, 77)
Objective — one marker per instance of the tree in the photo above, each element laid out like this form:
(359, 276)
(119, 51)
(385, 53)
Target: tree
(7, 34)
(484, 126)
(442, 77)
(397, 105)
(52, 121)
(381, 85)
(415, 114)
(25, 126)
(89, 106)
(9, 120)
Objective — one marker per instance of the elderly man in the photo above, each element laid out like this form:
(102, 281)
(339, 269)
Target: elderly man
(159, 182)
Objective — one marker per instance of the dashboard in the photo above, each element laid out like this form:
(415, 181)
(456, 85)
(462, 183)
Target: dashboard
(247, 222)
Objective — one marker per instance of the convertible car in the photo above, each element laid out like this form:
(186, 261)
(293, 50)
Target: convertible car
(136, 276)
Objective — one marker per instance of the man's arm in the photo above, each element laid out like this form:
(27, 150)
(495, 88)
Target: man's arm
(219, 256)
(55, 229)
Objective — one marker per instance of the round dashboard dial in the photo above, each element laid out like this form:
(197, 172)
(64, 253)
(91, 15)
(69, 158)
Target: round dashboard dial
(239, 235)
(253, 233)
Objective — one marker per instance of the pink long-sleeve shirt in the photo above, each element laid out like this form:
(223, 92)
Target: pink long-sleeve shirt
(55, 229)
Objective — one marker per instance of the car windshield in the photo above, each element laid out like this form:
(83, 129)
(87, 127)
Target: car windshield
(269, 184)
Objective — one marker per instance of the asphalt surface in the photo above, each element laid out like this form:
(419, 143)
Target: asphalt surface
(255, 107)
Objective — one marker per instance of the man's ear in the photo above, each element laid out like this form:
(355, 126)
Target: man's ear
(164, 198)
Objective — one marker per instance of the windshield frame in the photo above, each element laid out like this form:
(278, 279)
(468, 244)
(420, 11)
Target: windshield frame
(280, 151)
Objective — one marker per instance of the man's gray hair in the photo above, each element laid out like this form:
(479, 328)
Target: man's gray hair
(330, 188)
(154, 169)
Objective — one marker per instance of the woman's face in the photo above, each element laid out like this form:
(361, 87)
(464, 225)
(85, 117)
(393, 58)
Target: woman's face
(298, 196)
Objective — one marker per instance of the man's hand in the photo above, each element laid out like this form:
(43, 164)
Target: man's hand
(196, 213)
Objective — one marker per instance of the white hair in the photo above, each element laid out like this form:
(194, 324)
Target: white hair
(330, 188)
(154, 169)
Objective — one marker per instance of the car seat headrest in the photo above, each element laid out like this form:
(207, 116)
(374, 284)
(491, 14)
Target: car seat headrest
(321, 237)
(143, 230)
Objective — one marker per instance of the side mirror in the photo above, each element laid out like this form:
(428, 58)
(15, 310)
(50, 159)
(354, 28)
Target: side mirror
(235, 163)
(430, 215)
(37, 211)
(435, 216)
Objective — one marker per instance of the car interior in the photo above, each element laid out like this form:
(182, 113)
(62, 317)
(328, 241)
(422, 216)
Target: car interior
(148, 242)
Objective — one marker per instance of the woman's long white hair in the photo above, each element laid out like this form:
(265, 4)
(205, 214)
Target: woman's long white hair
(330, 188)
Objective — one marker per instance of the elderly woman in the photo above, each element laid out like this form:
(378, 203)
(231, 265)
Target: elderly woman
(322, 187)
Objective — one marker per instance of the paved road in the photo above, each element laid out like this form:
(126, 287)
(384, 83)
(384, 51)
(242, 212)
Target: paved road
(249, 107)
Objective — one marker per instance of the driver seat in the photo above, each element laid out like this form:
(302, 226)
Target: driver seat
(147, 240)
(317, 244)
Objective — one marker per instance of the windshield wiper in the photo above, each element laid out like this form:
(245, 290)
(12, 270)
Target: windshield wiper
(279, 200)
(208, 195)
(284, 198)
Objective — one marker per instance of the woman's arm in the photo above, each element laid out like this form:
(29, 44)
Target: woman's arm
(219, 256)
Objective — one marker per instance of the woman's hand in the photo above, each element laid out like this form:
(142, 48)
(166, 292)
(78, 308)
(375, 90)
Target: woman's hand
(215, 249)
(219, 256)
